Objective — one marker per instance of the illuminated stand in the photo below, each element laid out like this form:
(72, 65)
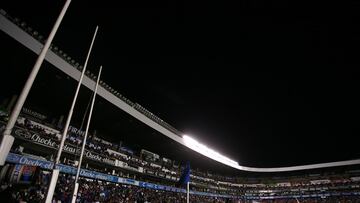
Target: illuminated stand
(127, 106)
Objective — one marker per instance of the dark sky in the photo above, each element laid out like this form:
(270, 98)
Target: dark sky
(268, 83)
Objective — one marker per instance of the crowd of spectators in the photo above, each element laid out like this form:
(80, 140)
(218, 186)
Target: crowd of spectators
(202, 181)
(95, 191)
(100, 191)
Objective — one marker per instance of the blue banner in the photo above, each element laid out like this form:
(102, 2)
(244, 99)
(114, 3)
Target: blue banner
(20, 159)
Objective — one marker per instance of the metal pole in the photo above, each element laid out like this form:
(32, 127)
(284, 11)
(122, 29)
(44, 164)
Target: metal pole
(84, 141)
(187, 191)
(7, 139)
(63, 137)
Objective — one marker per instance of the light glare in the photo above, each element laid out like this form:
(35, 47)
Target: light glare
(204, 150)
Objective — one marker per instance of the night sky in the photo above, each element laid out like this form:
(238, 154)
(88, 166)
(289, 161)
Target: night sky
(267, 83)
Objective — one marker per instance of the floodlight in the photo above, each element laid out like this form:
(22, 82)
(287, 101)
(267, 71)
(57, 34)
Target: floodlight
(208, 152)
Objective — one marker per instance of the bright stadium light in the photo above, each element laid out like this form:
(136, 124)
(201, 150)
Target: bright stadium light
(206, 151)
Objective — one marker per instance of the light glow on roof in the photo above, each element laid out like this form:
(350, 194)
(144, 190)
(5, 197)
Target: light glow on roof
(206, 151)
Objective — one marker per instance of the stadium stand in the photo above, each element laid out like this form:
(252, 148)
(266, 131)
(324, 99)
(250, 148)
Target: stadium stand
(151, 178)
(114, 173)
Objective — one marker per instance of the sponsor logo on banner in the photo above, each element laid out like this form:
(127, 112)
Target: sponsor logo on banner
(97, 157)
(36, 138)
(76, 131)
(71, 149)
(20, 159)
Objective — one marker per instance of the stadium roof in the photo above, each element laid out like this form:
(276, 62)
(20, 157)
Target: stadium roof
(264, 89)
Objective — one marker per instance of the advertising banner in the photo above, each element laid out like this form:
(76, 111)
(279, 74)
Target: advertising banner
(20, 161)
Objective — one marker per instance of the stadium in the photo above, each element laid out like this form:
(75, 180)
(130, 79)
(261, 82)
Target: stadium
(131, 153)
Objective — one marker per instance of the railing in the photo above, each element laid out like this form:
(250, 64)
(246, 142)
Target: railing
(23, 25)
